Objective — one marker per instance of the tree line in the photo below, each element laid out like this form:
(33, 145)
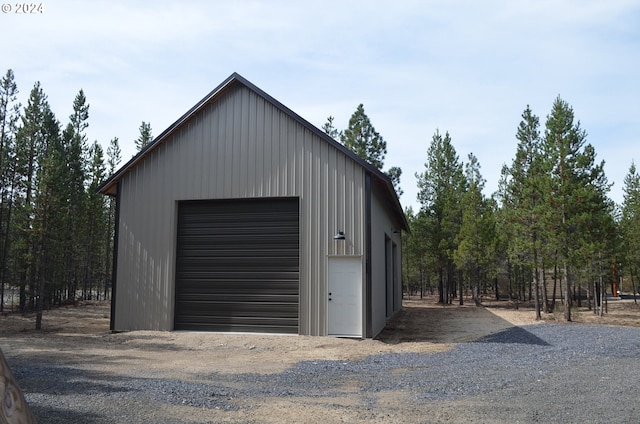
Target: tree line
(550, 222)
(550, 227)
(56, 231)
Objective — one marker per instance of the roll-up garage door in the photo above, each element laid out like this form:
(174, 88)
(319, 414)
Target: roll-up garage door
(237, 266)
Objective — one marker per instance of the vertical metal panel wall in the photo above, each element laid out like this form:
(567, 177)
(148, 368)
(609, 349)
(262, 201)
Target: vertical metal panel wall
(237, 146)
(382, 229)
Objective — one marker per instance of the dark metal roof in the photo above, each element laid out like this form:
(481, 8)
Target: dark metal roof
(109, 187)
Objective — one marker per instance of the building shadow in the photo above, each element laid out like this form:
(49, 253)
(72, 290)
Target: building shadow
(428, 322)
(514, 335)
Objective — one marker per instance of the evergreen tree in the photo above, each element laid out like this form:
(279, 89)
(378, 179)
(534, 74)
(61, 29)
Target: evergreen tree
(330, 129)
(97, 221)
(522, 197)
(577, 188)
(417, 261)
(394, 174)
(145, 136)
(440, 188)
(75, 142)
(361, 138)
(114, 156)
(599, 238)
(630, 225)
(9, 116)
(476, 237)
(56, 231)
(30, 141)
(49, 216)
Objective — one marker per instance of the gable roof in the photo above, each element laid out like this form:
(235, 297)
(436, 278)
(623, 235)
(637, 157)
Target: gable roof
(110, 186)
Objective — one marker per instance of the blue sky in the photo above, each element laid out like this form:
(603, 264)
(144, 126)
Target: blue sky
(466, 67)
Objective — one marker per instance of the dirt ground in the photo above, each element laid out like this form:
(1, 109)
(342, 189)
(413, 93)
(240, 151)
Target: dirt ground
(79, 335)
(422, 326)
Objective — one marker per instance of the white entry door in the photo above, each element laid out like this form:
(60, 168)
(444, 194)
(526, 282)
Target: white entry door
(344, 301)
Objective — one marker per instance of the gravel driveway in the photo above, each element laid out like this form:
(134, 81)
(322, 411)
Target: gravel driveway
(551, 373)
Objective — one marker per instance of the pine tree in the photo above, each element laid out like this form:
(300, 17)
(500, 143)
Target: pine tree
(114, 156)
(418, 262)
(58, 235)
(476, 237)
(9, 116)
(330, 129)
(394, 174)
(75, 142)
(440, 188)
(362, 138)
(522, 197)
(49, 215)
(630, 225)
(97, 220)
(577, 188)
(145, 136)
(30, 141)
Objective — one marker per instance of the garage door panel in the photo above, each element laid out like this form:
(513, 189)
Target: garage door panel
(237, 266)
(289, 276)
(229, 262)
(239, 326)
(249, 253)
(241, 308)
(210, 294)
(205, 288)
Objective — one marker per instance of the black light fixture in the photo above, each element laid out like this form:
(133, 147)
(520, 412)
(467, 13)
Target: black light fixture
(339, 235)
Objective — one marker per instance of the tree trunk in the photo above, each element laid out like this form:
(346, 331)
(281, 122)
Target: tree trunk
(595, 298)
(441, 286)
(561, 290)
(536, 284)
(578, 295)
(451, 283)
(5, 250)
(555, 286)
(509, 282)
(461, 290)
(476, 288)
(40, 291)
(545, 296)
(567, 300)
(588, 290)
(606, 300)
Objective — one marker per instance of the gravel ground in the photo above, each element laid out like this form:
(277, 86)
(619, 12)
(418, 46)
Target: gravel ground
(554, 373)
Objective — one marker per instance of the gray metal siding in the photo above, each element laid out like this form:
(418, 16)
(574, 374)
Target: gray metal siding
(382, 229)
(238, 146)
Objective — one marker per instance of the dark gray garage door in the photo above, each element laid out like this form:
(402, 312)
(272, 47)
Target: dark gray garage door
(237, 266)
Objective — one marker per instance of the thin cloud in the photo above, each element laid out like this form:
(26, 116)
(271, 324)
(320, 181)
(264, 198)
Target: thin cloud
(466, 67)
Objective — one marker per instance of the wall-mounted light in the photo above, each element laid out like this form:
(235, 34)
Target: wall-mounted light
(339, 235)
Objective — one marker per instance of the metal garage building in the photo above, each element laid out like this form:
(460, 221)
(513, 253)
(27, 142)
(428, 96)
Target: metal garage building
(227, 222)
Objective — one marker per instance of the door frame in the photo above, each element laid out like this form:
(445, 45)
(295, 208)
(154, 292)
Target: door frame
(355, 259)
